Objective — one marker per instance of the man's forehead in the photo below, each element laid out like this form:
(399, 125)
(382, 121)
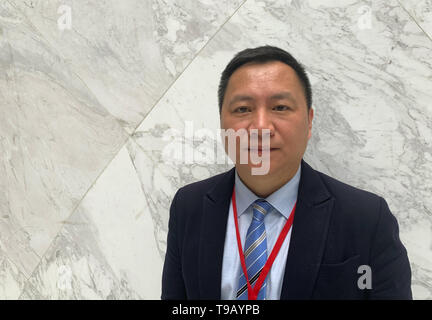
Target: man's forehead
(265, 67)
(281, 75)
(282, 82)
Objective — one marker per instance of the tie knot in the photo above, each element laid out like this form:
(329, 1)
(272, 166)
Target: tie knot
(260, 209)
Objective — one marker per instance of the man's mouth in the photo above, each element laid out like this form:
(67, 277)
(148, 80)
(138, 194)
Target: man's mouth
(260, 149)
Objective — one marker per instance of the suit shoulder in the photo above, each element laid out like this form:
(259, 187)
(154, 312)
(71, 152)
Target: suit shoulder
(359, 207)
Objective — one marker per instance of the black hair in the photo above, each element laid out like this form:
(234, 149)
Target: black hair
(261, 55)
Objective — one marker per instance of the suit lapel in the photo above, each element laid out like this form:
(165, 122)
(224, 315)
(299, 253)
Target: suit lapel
(212, 239)
(310, 225)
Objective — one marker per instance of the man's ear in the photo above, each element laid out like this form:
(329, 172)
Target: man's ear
(310, 117)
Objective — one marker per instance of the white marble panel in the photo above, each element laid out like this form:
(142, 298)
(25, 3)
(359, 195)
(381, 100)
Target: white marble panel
(56, 138)
(107, 248)
(127, 52)
(11, 279)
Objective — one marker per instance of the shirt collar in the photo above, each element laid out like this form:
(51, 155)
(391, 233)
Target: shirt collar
(282, 199)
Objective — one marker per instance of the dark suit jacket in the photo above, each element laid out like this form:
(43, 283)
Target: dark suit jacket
(336, 229)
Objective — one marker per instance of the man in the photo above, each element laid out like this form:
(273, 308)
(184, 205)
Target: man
(291, 233)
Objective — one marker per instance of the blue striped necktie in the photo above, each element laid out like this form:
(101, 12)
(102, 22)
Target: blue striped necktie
(255, 251)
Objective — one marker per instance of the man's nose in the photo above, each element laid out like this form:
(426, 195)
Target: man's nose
(262, 120)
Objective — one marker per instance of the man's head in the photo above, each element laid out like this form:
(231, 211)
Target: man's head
(266, 88)
(261, 55)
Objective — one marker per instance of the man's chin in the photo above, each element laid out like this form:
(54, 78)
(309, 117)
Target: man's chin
(260, 169)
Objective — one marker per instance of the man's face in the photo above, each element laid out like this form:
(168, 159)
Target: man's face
(269, 96)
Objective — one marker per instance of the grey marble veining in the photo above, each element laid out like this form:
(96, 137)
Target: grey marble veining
(55, 140)
(421, 13)
(86, 185)
(127, 52)
(99, 254)
(12, 280)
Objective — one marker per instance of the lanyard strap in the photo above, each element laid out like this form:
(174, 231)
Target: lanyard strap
(253, 292)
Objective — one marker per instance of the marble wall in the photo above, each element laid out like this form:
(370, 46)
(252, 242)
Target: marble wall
(108, 107)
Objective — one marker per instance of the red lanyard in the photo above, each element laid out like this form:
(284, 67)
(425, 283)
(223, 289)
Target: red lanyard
(253, 292)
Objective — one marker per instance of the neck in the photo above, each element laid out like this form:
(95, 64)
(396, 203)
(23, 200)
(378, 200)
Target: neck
(265, 185)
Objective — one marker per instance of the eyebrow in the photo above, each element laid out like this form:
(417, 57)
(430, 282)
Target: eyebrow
(277, 96)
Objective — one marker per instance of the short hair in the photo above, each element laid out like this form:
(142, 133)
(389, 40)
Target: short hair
(264, 54)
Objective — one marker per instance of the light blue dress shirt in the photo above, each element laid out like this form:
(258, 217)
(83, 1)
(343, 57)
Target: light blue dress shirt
(282, 201)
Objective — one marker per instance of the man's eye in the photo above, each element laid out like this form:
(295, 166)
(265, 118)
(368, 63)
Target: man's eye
(241, 109)
(281, 108)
